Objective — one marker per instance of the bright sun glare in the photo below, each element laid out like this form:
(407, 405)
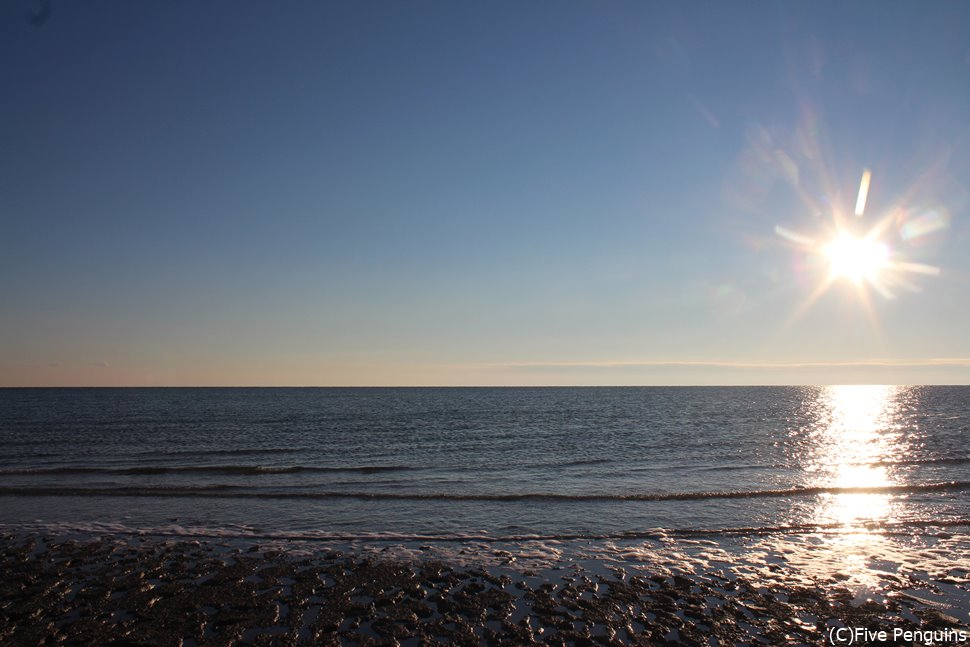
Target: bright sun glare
(857, 259)
(866, 261)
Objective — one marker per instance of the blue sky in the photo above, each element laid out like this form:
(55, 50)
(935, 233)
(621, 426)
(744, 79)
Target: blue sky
(481, 193)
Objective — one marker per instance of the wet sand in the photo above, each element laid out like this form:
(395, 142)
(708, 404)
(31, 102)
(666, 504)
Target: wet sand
(152, 591)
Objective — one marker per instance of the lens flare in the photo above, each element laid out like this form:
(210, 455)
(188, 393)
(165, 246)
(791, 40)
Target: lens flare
(867, 261)
(860, 203)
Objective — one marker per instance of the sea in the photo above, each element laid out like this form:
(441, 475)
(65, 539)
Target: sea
(862, 481)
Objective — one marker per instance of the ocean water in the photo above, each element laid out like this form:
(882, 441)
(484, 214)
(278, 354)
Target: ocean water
(491, 464)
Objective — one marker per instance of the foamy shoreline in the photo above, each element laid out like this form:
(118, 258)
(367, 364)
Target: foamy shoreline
(154, 591)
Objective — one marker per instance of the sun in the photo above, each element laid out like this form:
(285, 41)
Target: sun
(867, 262)
(856, 259)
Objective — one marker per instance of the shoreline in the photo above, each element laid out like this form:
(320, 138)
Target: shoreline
(155, 591)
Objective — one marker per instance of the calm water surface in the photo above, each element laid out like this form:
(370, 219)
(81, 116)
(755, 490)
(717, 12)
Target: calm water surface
(487, 462)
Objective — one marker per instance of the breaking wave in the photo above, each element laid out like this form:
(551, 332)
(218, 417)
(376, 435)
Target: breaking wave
(232, 491)
(206, 469)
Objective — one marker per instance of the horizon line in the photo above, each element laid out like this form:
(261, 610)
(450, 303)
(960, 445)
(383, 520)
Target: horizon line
(466, 386)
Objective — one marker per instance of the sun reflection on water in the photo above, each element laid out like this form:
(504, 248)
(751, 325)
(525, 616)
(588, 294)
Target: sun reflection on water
(857, 440)
(855, 444)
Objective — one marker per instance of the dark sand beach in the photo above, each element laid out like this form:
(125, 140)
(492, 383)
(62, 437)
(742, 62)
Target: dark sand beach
(158, 591)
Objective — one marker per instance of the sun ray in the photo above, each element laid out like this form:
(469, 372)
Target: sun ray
(919, 268)
(806, 305)
(795, 237)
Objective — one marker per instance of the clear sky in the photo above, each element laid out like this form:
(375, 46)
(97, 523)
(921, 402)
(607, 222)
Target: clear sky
(437, 193)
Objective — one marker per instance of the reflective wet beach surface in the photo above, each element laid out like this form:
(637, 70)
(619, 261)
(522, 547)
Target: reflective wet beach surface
(782, 588)
(195, 593)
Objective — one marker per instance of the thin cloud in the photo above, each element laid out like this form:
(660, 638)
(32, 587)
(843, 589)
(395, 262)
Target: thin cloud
(872, 363)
